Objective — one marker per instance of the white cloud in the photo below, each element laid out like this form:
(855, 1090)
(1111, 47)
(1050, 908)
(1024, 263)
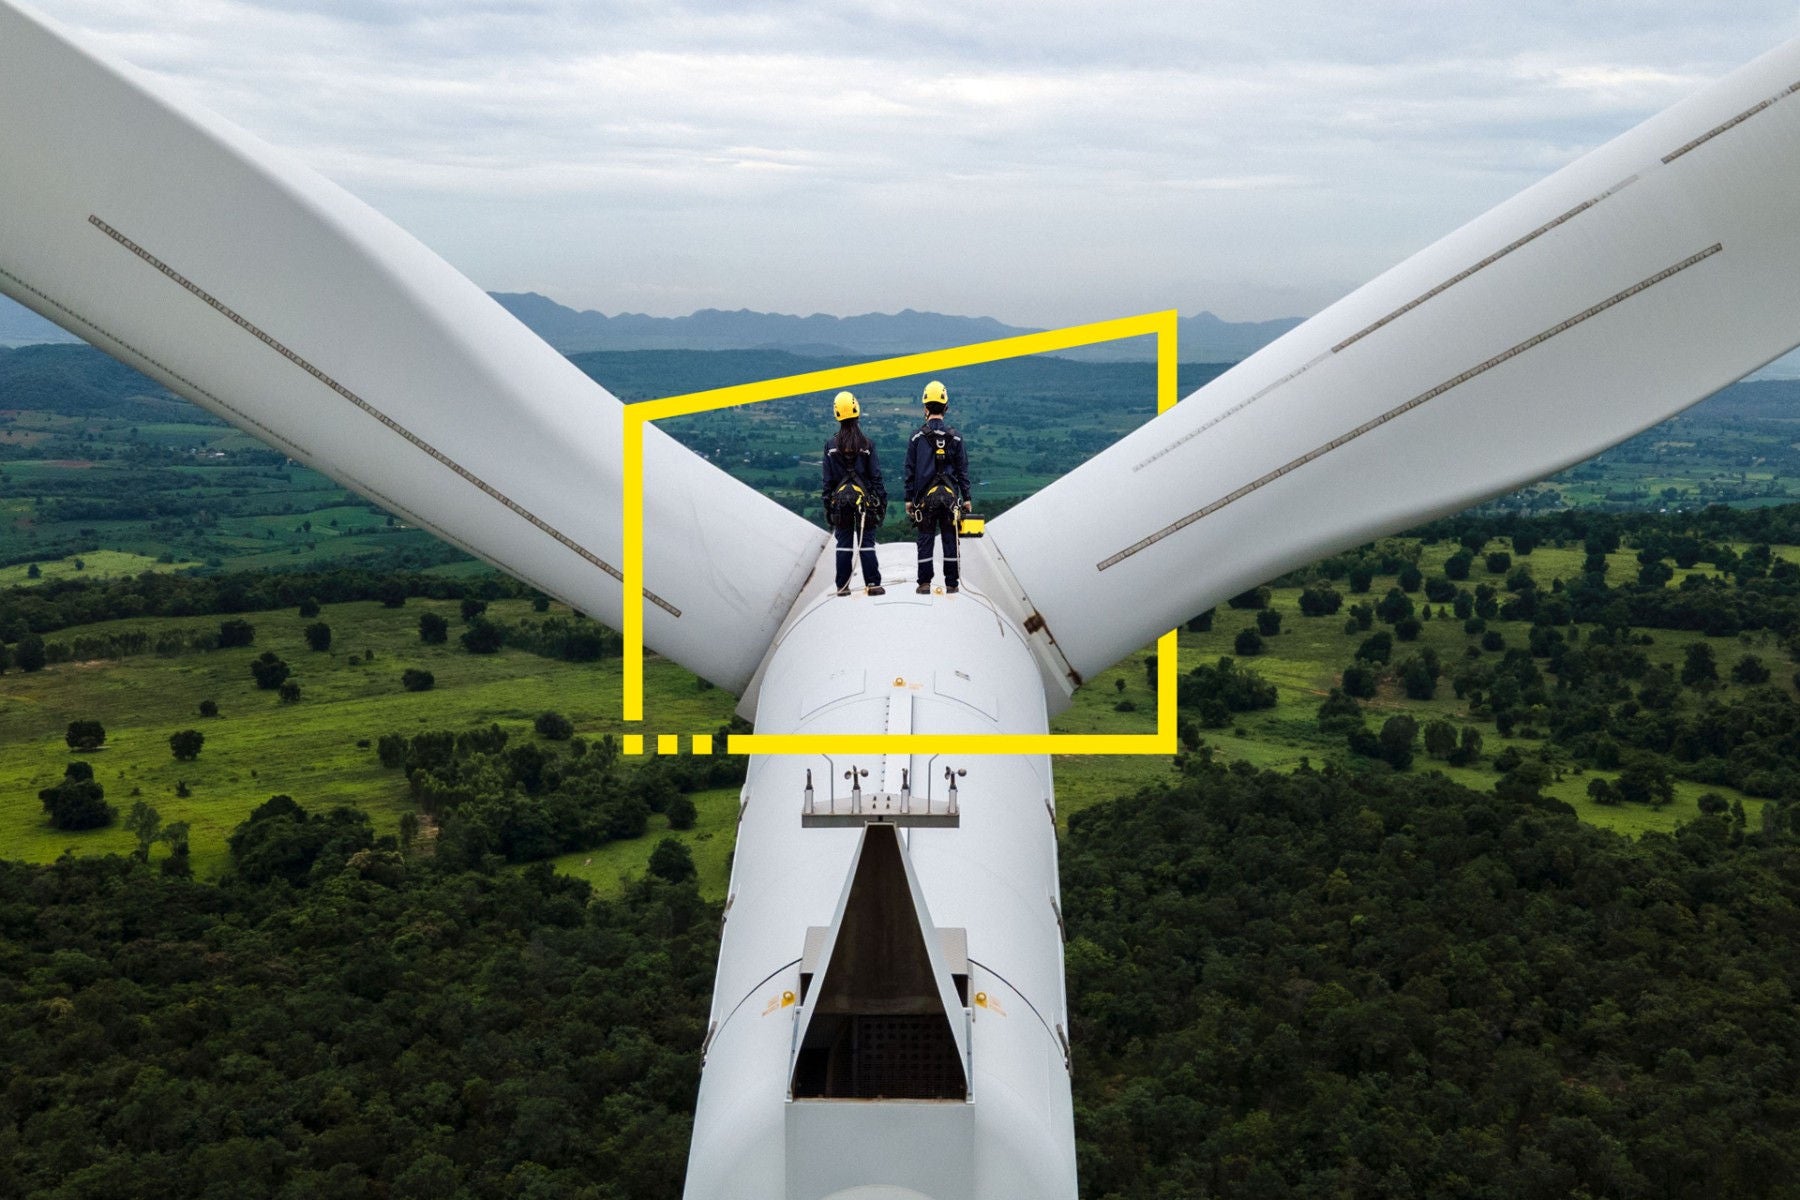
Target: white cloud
(1038, 160)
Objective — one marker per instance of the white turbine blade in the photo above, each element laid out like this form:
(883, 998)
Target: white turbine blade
(244, 281)
(1622, 289)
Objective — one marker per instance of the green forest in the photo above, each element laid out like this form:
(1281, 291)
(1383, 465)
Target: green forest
(335, 1019)
(1324, 984)
(322, 872)
(1311, 984)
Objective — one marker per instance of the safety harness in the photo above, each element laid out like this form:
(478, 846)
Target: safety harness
(850, 497)
(940, 492)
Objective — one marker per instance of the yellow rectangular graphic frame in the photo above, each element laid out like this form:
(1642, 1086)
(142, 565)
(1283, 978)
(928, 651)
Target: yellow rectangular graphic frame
(636, 416)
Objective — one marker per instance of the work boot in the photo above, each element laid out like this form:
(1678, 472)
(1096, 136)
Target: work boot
(875, 589)
(949, 589)
(924, 589)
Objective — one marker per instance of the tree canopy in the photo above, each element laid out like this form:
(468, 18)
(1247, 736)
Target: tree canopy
(386, 1029)
(1369, 986)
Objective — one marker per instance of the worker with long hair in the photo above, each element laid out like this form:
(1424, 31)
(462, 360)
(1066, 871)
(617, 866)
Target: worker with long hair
(855, 497)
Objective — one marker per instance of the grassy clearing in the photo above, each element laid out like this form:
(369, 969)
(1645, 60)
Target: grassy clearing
(351, 695)
(259, 747)
(1083, 780)
(615, 864)
(1307, 658)
(96, 564)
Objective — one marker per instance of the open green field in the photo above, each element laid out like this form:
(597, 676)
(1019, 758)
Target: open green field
(1306, 660)
(179, 493)
(710, 841)
(258, 747)
(95, 564)
(1737, 448)
(320, 750)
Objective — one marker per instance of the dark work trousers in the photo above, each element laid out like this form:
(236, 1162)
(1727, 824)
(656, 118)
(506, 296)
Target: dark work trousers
(940, 519)
(846, 550)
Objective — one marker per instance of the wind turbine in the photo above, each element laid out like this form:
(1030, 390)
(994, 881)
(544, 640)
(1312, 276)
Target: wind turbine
(889, 1018)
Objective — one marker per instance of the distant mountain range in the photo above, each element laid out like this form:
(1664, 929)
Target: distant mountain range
(1203, 338)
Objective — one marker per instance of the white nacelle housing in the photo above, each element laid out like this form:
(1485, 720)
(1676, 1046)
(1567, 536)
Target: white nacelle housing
(900, 663)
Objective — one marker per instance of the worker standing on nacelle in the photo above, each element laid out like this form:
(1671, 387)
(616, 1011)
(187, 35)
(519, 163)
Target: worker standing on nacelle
(855, 497)
(937, 487)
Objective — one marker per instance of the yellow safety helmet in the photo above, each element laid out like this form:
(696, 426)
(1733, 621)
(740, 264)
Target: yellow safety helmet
(935, 394)
(845, 406)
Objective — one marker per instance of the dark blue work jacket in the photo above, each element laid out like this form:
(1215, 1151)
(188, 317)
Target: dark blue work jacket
(865, 468)
(923, 466)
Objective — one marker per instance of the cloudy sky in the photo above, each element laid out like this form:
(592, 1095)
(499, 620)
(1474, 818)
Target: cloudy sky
(1043, 162)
